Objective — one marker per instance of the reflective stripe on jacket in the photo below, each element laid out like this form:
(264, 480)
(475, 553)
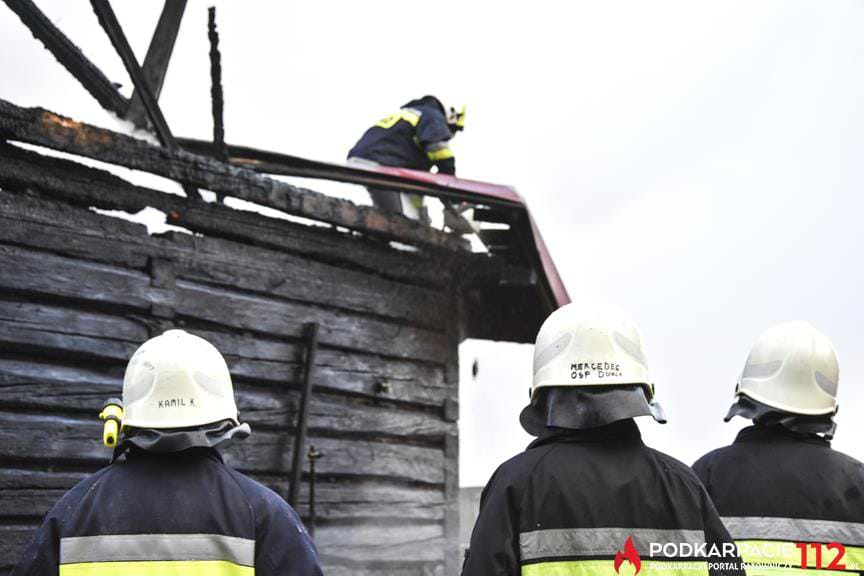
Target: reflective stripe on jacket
(783, 494)
(185, 513)
(597, 503)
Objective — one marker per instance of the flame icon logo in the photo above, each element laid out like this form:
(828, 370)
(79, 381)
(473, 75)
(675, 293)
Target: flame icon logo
(630, 554)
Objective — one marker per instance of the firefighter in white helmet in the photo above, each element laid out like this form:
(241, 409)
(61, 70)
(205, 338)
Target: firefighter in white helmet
(167, 503)
(781, 481)
(587, 496)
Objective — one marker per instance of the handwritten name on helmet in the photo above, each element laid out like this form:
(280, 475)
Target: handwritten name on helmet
(580, 370)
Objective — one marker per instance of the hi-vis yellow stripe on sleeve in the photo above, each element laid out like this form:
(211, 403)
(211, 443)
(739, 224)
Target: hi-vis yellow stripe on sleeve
(157, 568)
(607, 568)
(440, 154)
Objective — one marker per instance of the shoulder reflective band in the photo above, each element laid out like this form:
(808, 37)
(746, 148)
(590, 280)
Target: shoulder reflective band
(599, 541)
(787, 554)
(407, 114)
(135, 548)
(606, 568)
(794, 529)
(157, 568)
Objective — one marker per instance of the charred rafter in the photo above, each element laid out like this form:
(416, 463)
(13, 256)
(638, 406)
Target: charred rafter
(70, 56)
(41, 127)
(158, 56)
(108, 21)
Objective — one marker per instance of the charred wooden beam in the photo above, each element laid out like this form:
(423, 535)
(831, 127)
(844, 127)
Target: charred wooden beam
(110, 287)
(158, 56)
(109, 23)
(44, 128)
(81, 443)
(216, 96)
(25, 492)
(217, 101)
(46, 385)
(69, 56)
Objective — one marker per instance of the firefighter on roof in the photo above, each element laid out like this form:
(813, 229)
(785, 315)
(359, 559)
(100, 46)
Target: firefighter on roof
(417, 137)
(171, 506)
(780, 482)
(588, 498)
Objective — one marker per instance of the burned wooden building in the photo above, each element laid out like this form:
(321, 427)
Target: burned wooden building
(367, 307)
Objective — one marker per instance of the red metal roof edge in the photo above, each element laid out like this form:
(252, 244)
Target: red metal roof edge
(480, 190)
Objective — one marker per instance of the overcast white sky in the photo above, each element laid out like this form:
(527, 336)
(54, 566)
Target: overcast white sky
(697, 163)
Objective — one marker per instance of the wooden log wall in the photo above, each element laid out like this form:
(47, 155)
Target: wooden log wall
(80, 290)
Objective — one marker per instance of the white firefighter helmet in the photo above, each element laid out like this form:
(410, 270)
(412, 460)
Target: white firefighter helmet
(589, 344)
(177, 380)
(792, 367)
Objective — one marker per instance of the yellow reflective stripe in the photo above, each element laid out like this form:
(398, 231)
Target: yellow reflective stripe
(607, 568)
(854, 558)
(157, 568)
(404, 114)
(783, 552)
(440, 154)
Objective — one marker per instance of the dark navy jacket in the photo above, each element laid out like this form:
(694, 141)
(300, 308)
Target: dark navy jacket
(171, 508)
(573, 500)
(415, 137)
(775, 485)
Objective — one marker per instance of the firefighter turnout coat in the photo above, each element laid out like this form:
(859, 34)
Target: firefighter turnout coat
(597, 503)
(417, 137)
(170, 514)
(788, 499)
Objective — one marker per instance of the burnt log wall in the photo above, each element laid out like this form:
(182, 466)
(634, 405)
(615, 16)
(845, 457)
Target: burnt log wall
(81, 289)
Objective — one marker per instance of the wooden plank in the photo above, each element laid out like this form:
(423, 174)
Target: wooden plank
(59, 277)
(85, 186)
(76, 439)
(388, 543)
(46, 387)
(49, 275)
(287, 319)
(69, 56)
(61, 332)
(13, 540)
(30, 493)
(32, 222)
(68, 331)
(334, 503)
(41, 127)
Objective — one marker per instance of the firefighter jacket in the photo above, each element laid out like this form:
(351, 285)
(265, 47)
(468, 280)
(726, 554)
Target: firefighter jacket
(597, 502)
(780, 492)
(178, 513)
(417, 137)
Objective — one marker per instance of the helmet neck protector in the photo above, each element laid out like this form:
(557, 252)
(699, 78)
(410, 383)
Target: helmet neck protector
(586, 407)
(764, 415)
